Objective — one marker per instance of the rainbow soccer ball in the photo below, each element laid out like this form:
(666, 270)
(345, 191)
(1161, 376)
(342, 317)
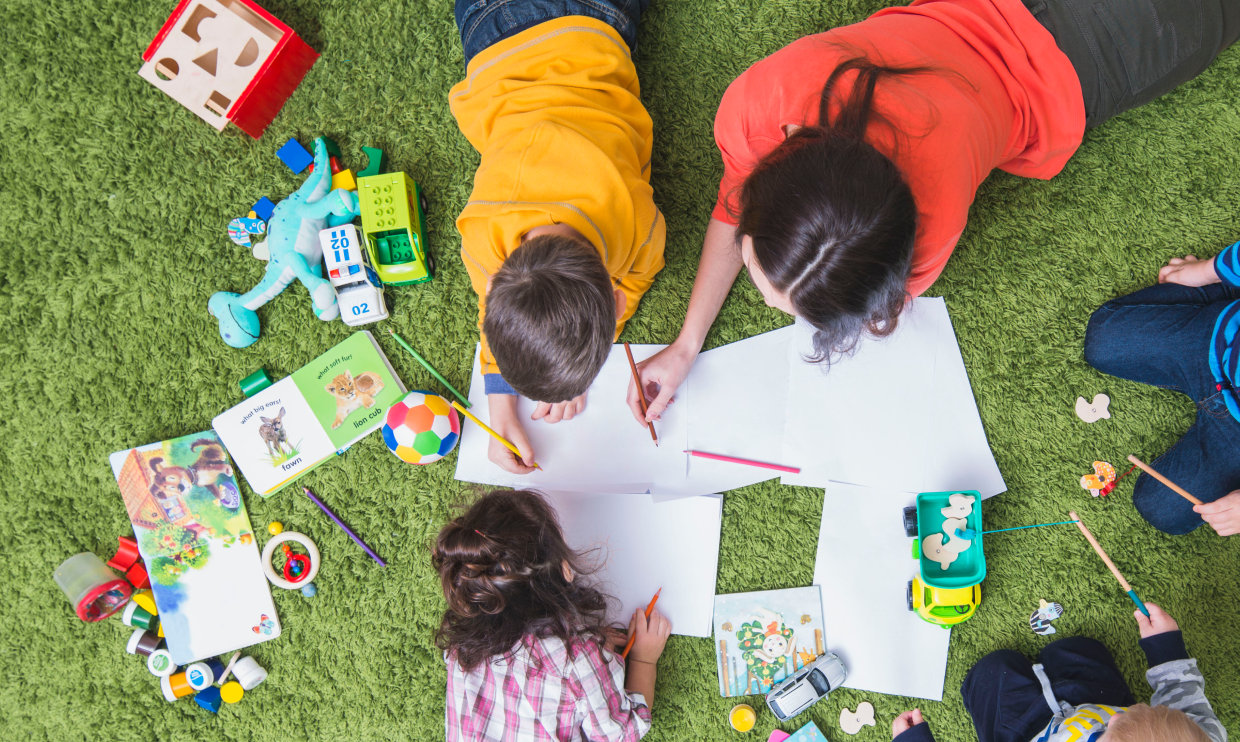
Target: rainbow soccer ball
(421, 428)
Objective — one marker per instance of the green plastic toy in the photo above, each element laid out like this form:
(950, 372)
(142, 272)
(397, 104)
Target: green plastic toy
(392, 219)
(945, 595)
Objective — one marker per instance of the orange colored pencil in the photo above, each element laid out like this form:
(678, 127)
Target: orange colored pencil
(649, 608)
(641, 395)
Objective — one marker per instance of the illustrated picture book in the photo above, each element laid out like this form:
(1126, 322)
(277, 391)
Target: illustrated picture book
(195, 539)
(299, 422)
(763, 638)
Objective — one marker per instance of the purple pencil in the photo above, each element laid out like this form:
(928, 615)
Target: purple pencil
(343, 527)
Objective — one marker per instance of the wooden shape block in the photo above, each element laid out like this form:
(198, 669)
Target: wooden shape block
(126, 554)
(374, 161)
(146, 600)
(344, 179)
(294, 155)
(137, 576)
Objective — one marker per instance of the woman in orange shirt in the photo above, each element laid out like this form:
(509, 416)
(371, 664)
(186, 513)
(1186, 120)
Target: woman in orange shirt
(851, 157)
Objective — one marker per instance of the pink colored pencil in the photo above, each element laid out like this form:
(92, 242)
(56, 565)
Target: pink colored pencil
(746, 462)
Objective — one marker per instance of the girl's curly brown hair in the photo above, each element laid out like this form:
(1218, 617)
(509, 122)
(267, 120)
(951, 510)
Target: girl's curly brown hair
(501, 565)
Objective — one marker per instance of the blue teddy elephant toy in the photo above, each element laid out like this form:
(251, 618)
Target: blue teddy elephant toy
(293, 244)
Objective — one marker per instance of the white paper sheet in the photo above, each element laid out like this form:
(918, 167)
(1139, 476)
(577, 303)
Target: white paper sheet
(959, 456)
(736, 397)
(863, 565)
(647, 546)
(602, 446)
(864, 420)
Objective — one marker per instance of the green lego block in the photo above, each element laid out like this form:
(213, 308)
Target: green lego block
(392, 228)
(333, 149)
(374, 161)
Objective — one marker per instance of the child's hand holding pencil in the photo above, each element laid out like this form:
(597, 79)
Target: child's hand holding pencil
(508, 448)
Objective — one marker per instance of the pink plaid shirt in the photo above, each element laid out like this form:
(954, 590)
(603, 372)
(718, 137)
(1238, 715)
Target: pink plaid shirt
(543, 693)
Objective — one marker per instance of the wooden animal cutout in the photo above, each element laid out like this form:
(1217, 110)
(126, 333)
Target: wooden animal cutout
(852, 722)
(1040, 620)
(1092, 412)
(934, 548)
(960, 507)
(1102, 481)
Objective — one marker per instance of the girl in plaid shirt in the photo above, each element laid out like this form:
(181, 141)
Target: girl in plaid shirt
(529, 655)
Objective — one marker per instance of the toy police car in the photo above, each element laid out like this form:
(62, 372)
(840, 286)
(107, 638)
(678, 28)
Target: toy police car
(358, 290)
(807, 687)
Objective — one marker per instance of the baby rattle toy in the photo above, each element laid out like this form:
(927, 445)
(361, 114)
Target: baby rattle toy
(294, 253)
(298, 569)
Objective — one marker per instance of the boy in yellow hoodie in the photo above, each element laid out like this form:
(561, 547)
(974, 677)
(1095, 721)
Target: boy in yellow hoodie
(561, 236)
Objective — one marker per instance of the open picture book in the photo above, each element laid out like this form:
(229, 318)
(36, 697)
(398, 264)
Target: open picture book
(299, 422)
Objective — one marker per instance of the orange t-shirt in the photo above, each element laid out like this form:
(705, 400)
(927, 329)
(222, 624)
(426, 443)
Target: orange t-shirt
(1001, 95)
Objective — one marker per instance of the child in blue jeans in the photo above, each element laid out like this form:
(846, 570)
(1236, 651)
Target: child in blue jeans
(1184, 334)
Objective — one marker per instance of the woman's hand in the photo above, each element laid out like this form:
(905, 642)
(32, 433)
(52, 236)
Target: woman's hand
(661, 374)
(1223, 514)
(1188, 271)
(503, 412)
(553, 413)
(905, 722)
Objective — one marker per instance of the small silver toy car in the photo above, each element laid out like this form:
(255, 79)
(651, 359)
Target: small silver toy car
(810, 685)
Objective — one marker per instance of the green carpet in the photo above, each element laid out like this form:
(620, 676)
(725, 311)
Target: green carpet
(114, 238)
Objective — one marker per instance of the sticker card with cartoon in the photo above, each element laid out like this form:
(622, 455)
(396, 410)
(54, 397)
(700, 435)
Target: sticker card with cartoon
(763, 638)
(196, 542)
(299, 422)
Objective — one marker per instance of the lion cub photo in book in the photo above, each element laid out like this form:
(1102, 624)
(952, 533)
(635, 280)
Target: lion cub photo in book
(299, 422)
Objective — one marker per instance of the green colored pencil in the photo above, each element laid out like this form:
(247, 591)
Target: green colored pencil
(428, 367)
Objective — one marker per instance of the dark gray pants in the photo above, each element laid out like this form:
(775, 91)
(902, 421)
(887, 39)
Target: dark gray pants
(1129, 52)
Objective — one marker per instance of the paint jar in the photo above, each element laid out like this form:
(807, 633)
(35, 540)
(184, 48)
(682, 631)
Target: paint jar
(139, 617)
(200, 676)
(94, 590)
(160, 663)
(175, 686)
(143, 642)
(249, 673)
(742, 717)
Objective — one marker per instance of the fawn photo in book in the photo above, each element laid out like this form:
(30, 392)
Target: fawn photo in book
(763, 638)
(195, 538)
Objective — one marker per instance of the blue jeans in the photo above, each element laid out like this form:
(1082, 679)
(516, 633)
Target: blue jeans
(486, 22)
(1161, 336)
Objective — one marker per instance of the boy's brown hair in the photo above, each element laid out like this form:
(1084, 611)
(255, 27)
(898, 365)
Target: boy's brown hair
(1142, 723)
(551, 318)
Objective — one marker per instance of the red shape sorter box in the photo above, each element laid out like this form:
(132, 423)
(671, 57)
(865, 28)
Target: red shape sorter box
(227, 60)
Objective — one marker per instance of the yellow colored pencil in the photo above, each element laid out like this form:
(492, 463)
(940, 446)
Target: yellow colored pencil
(487, 428)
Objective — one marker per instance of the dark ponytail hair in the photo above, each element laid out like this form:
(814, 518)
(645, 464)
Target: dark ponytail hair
(832, 220)
(501, 565)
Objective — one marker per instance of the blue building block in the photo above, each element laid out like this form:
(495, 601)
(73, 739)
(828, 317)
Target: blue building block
(209, 698)
(295, 156)
(264, 208)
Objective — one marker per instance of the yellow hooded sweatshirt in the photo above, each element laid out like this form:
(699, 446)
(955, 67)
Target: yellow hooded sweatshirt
(556, 113)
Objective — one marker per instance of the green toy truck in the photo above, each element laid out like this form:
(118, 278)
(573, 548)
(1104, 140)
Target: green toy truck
(945, 596)
(393, 212)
